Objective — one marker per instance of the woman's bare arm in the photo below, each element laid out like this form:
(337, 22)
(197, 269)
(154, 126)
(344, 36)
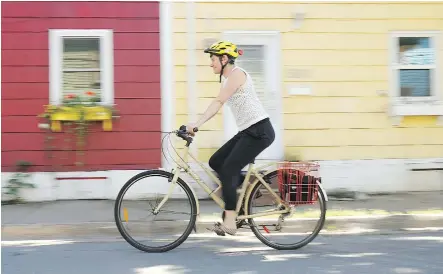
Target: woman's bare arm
(236, 79)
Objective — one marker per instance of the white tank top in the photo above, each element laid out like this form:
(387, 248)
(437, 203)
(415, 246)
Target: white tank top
(245, 105)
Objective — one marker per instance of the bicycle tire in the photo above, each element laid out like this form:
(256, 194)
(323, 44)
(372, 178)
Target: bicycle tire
(126, 235)
(303, 243)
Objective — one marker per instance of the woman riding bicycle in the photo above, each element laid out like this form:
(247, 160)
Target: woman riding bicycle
(255, 129)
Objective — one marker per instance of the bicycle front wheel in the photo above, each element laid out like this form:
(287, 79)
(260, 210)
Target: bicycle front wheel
(149, 221)
(284, 231)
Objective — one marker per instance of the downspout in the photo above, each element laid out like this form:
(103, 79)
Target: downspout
(192, 69)
(167, 77)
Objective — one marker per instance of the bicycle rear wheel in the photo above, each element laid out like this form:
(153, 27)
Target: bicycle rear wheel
(135, 199)
(299, 223)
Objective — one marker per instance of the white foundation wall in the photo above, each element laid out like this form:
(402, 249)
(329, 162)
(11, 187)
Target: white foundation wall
(366, 176)
(383, 176)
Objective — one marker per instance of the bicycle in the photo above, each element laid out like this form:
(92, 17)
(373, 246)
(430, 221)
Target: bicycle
(248, 193)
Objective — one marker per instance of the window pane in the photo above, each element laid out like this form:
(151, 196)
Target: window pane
(415, 51)
(80, 82)
(81, 53)
(415, 82)
(253, 62)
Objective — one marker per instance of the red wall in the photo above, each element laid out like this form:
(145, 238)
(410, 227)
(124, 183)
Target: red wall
(135, 140)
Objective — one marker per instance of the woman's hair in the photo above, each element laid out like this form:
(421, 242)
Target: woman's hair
(231, 60)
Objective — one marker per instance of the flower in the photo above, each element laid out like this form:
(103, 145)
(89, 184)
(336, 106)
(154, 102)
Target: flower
(240, 52)
(70, 96)
(90, 93)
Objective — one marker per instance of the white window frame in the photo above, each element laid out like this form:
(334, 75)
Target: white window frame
(410, 106)
(56, 63)
(271, 41)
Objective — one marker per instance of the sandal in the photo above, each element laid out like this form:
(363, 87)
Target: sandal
(224, 229)
(216, 228)
(221, 230)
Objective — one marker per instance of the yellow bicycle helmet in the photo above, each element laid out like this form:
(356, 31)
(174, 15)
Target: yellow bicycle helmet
(224, 47)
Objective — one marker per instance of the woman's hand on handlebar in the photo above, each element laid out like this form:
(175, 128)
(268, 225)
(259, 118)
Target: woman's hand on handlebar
(191, 129)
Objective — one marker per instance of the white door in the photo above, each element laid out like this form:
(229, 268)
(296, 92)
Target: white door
(261, 59)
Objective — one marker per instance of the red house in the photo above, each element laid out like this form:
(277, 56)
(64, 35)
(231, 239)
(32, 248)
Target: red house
(55, 50)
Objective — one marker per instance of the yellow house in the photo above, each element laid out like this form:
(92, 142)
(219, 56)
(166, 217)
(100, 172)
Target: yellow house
(355, 86)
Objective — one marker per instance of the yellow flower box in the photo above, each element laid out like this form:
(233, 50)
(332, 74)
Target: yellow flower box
(58, 114)
(65, 114)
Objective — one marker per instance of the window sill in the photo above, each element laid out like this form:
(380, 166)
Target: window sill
(417, 108)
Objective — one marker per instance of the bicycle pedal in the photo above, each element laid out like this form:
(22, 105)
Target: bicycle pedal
(245, 226)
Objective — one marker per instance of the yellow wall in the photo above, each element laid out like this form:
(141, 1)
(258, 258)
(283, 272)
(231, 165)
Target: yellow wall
(344, 50)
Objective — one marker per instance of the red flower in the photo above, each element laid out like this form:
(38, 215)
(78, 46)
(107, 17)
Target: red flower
(90, 93)
(240, 52)
(70, 96)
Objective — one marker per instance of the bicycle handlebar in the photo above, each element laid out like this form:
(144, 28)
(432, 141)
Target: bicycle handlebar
(182, 133)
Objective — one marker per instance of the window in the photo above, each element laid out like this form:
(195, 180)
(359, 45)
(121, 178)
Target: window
(81, 61)
(415, 86)
(253, 61)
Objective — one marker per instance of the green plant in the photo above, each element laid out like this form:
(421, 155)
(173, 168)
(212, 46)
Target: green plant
(90, 99)
(77, 112)
(81, 124)
(18, 181)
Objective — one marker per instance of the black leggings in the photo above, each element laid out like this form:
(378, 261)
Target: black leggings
(239, 151)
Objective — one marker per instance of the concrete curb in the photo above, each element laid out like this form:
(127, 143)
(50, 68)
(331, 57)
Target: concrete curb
(381, 223)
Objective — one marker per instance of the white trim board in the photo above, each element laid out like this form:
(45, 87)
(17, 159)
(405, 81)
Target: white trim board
(191, 69)
(167, 76)
(106, 62)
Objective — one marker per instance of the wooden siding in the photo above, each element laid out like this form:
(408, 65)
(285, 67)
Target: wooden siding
(134, 142)
(341, 52)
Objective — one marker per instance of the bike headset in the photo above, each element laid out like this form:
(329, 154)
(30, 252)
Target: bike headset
(224, 48)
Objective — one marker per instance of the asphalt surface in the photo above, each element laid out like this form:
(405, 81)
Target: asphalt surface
(415, 252)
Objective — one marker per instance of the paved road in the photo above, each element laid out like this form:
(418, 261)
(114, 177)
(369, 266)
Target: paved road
(205, 253)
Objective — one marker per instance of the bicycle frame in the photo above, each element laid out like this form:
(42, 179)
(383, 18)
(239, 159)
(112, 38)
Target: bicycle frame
(245, 190)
